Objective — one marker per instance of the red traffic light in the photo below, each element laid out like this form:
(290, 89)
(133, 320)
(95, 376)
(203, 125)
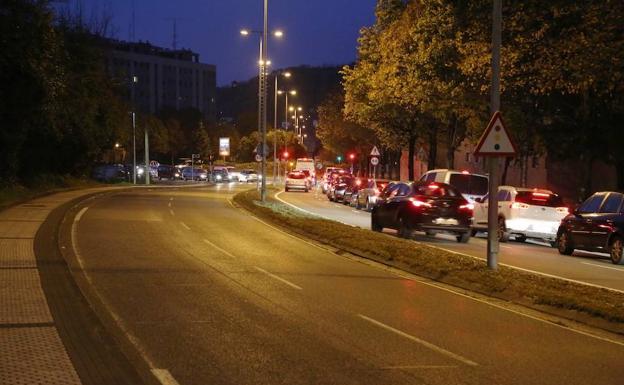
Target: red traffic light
(351, 156)
(285, 154)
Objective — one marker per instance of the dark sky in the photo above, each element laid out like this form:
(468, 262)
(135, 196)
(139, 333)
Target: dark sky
(316, 32)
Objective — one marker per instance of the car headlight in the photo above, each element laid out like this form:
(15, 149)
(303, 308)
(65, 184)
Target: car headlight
(219, 177)
(140, 171)
(177, 174)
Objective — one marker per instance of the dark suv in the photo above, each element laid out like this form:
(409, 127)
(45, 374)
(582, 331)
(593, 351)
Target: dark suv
(596, 225)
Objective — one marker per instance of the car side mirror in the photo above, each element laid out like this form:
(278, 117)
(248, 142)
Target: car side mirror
(479, 200)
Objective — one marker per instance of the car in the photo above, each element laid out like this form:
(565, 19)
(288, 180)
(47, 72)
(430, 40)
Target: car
(219, 175)
(307, 164)
(110, 173)
(596, 225)
(338, 187)
(367, 196)
(233, 174)
(168, 172)
(522, 213)
(471, 185)
(431, 207)
(248, 176)
(296, 180)
(194, 173)
(351, 193)
(330, 174)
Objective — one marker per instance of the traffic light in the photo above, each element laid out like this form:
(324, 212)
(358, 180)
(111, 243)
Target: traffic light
(285, 154)
(352, 156)
(339, 158)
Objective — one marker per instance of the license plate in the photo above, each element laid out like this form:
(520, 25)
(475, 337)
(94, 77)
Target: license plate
(445, 221)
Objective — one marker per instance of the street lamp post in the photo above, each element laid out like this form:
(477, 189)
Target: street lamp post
(275, 127)
(134, 169)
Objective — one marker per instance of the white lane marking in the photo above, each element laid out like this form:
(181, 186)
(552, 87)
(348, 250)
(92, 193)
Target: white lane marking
(220, 249)
(171, 212)
(80, 214)
(604, 267)
(278, 278)
(407, 275)
(165, 377)
(419, 367)
(184, 225)
(169, 204)
(171, 198)
(298, 208)
(419, 341)
(505, 247)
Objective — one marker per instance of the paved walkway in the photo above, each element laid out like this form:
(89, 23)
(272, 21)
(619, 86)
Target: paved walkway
(31, 350)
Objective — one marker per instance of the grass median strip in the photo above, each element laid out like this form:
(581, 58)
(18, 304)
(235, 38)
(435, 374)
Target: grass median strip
(595, 306)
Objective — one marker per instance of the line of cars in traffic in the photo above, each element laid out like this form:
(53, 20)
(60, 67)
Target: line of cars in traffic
(219, 174)
(456, 202)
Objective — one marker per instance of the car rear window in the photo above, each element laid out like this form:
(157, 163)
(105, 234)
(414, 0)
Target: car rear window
(539, 199)
(296, 175)
(469, 184)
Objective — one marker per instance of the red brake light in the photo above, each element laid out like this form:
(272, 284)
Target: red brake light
(433, 186)
(465, 172)
(417, 203)
(358, 182)
(541, 195)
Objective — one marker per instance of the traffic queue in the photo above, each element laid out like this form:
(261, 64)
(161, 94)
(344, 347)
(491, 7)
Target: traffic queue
(456, 202)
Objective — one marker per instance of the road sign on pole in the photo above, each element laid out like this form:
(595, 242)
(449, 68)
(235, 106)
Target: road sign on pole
(495, 140)
(375, 151)
(374, 161)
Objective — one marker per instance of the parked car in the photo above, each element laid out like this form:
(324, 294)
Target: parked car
(307, 165)
(523, 213)
(248, 176)
(367, 196)
(338, 187)
(296, 180)
(596, 225)
(168, 172)
(328, 177)
(110, 173)
(471, 185)
(431, 207)
(193, 173)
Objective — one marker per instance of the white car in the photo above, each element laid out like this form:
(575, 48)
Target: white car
(523, 213)
(248, 176)
(472, 186)
(296, 180)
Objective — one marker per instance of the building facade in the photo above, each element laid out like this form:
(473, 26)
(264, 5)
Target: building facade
(164, 78)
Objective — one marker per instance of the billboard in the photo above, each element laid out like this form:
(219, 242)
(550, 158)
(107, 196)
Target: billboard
(224, 146)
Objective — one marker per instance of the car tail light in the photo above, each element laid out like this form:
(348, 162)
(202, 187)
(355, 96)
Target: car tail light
(518, 205)
(433, 186)
(358, 182)
(563, 210)
(467, 207)
(419, 203)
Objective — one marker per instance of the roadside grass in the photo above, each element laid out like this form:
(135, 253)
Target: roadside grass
(591, 305)
(14, 193)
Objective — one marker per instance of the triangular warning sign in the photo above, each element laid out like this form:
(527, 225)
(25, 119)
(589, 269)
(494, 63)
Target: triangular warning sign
(495, 140)
(375, 151)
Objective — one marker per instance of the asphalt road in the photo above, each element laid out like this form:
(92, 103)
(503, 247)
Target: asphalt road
(213, 296)
(592, 268)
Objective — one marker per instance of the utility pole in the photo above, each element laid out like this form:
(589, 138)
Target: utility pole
(265, 30)
(147, 165)
(493, 226)
(275, 131)
(134, 169)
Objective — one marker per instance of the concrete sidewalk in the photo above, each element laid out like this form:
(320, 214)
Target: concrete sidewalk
(31, 350)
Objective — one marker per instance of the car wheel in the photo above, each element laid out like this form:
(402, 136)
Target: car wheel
(306, 190)
(553, 243)
(430, 234)
(473, 232)
(404, 230)
(368, 205)
(503, 235)
(564, 244)
(286, 189)
(357, 204)
(520, 238)
(374, 225)
(616, 251)
(463, 237)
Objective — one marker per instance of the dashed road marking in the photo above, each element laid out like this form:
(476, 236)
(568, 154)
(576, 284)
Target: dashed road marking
(165, 377)
(169, 204)
(220, 249)
(184, 225)
(419, 341)
(278, 278)
(171, 212)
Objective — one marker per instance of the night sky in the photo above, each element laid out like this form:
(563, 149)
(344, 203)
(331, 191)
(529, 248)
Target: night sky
(317, 32)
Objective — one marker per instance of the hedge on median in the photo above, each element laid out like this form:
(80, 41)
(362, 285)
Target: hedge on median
(592, 305)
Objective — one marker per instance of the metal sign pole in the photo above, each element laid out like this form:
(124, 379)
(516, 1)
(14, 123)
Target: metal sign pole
(493, 226)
